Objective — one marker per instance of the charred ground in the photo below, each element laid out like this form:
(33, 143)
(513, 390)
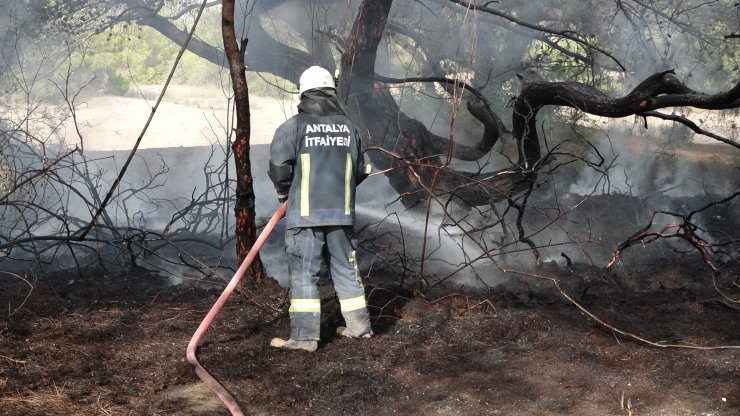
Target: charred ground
(115, 344)
(91, 342)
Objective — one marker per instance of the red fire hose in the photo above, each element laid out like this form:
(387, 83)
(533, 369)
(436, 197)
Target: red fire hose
(217, 388)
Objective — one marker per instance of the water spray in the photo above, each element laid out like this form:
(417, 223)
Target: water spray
(217, 387)
(381, 172)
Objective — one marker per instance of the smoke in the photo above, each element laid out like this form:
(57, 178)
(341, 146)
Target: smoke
(640, 173)
(593, 208)
(662, 161)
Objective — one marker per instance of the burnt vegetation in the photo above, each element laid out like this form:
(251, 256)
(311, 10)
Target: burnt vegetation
(563, 148)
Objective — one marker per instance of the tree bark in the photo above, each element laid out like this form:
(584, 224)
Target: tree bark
(412, 152)
(246, 229)
(374, 108)
(659, 90)
(418, 169)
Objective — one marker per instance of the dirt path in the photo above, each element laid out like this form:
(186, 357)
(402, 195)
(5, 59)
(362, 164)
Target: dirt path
(186, 118)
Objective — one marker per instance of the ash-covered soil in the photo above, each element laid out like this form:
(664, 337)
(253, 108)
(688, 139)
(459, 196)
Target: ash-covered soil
(98, 344)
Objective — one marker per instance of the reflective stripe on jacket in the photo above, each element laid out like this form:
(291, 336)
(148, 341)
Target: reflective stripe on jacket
(316, 157)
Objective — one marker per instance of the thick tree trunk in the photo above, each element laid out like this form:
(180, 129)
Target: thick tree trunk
(418, 167)
(374, 108)
(244, 212)
(415, 155)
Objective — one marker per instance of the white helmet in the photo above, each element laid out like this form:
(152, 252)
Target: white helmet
(315, 77)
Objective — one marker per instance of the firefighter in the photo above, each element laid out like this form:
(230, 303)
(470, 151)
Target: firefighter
(316, 162)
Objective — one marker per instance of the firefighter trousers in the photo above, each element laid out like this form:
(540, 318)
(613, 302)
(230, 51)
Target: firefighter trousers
(305, 249)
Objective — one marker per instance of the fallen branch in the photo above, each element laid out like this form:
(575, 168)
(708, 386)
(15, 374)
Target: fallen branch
(685, 229)
(36, 174)
(690, 124)
(30, 285)
(13, 360)
(613, 328)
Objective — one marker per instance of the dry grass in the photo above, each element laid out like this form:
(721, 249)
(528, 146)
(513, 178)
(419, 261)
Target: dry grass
(627, 406)
(56, 402)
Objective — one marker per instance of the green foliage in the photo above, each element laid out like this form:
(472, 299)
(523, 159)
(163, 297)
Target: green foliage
(118, 84)
(403, 56)
(127, 54)
(268, 85)
(558, 60)
(194, 70)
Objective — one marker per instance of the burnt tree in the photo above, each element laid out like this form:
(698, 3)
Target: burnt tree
(416, 158)
(246, 229)
(557, 55)
(420, 151)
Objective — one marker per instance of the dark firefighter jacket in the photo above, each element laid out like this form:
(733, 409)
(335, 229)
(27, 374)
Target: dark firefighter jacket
(316, 158)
